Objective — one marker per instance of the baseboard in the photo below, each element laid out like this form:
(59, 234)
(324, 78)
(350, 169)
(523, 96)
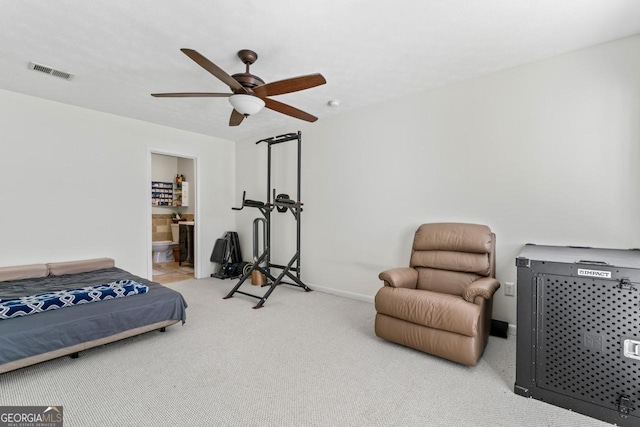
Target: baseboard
(511, 331)
(340, 293)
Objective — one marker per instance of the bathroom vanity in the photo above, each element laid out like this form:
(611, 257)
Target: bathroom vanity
(185, 242)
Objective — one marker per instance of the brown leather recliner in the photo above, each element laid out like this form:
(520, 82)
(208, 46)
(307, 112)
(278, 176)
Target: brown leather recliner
(441, 304)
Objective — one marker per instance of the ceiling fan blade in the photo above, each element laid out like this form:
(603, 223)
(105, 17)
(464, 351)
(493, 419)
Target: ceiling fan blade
(192, 95)
(288, 110)
(236, 118)
(214, 69)
(293, 84)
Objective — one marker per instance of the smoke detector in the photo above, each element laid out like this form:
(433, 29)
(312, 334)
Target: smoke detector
(49, 70)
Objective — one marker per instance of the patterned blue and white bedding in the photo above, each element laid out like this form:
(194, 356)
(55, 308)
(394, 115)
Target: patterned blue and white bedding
(24, 306)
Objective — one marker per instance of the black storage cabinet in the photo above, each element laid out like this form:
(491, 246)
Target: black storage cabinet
(578, 343)
(185, 243)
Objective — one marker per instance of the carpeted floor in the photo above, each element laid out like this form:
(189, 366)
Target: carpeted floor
(305, 359)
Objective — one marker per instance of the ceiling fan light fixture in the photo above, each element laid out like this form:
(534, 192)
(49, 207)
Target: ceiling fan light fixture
(246, 104)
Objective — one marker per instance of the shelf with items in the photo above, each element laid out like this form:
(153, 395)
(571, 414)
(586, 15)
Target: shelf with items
(161, 193)
(181, 192)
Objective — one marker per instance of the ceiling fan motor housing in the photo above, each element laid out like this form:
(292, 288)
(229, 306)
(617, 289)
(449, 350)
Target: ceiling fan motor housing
(248, 80)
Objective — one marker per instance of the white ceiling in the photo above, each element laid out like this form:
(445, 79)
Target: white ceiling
(120, 51)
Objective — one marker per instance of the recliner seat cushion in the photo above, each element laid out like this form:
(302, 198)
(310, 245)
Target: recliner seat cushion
(446, 282)
(431, 309)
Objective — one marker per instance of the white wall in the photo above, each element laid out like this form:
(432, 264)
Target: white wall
(545, 153)
(76, 184)
(163, 168)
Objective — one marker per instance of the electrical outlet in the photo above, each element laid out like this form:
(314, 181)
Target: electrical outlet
(509, 289)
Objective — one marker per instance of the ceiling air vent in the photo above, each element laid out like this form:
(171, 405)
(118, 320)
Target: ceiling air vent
(49, 70)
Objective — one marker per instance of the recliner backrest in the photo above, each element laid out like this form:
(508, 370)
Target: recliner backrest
(450, 256)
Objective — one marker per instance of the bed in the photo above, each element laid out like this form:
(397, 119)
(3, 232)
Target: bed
(29, 339)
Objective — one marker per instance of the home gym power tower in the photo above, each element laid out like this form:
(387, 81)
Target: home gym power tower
(281, 202)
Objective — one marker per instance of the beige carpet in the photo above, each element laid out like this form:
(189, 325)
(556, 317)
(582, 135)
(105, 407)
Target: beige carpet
(305, 359)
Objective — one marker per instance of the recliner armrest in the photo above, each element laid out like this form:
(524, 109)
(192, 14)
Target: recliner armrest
(403, 277)
(484, 288)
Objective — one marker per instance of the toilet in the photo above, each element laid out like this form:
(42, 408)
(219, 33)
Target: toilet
(160, 249)
(163, 249)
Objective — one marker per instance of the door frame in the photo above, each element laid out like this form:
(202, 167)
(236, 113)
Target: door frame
(196, 235)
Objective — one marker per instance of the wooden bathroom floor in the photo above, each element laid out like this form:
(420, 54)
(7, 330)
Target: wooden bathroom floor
(168, 272)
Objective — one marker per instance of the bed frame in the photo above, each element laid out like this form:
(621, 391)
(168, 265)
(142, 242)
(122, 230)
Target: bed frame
(84, 326)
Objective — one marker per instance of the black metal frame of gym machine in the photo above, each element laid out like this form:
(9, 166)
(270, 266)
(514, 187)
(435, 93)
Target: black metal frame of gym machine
(295, 207)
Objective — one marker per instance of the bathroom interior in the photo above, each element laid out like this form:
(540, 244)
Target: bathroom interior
(173, 221)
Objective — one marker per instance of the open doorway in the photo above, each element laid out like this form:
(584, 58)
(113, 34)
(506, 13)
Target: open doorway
(173, 220)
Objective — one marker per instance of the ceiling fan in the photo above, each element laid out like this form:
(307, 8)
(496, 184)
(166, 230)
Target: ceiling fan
(249, 92)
